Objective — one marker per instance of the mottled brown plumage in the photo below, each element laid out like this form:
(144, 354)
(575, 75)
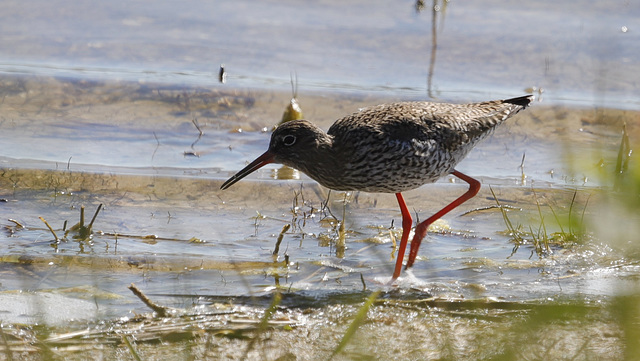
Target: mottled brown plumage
(388, 148)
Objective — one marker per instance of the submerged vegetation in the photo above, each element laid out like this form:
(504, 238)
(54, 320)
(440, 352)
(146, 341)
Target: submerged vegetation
(570, 232)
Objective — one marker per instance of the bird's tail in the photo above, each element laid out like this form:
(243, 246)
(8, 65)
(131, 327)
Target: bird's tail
(523, 101)
(489, 114)
(495, 112)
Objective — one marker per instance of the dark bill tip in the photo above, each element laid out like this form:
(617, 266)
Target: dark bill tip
(260, 162)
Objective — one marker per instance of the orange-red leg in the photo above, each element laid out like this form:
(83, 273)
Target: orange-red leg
(406, 229)
(421, 229)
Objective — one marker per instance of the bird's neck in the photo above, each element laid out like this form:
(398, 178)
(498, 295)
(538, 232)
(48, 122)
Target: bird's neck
(320, 161)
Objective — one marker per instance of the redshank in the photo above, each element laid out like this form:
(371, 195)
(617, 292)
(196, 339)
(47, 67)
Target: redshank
(389, 148)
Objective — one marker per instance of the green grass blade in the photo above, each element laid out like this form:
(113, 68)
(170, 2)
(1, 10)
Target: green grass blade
(264, 322)
(356, 323)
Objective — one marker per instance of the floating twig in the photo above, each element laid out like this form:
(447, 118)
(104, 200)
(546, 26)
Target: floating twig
(364, 284)
(280, 237)
(161, 311)
(94, 216)
(18, 224)
(50, 229)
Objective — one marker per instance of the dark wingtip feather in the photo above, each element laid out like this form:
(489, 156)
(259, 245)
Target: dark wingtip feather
(521, 101)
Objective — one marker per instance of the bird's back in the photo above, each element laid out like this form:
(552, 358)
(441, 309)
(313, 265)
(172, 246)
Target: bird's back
(400, 146)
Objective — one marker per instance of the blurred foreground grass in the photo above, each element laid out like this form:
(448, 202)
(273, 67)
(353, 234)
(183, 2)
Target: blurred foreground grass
(408, 329)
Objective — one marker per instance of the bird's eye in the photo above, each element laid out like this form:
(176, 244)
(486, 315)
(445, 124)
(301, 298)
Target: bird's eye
(288, 140)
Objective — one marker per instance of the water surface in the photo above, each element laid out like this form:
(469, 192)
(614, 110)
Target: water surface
(122, 107)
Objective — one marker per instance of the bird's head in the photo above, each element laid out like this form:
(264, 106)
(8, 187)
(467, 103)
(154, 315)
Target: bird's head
(294, 143)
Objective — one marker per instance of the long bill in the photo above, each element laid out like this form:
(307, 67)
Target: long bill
(260, 162)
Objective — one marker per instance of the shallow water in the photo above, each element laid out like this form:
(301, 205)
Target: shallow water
(102, 110)
(165, 221)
